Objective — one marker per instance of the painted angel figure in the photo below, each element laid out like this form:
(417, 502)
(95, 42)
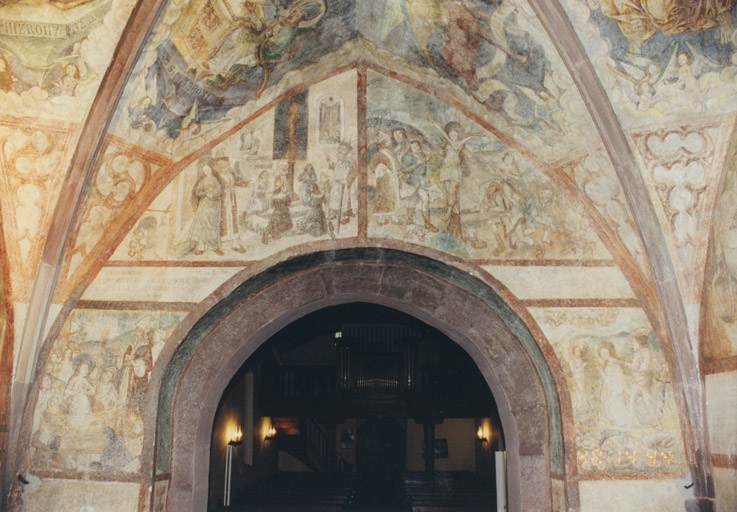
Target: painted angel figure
(73, 70)
(639, 79)
(644, 80)
(685, 66)
(253, 43)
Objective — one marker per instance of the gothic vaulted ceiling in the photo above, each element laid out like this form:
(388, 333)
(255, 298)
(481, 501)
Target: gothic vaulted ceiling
(576, 155)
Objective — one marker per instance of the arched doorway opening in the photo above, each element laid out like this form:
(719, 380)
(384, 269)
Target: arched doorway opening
(461, 306)
(364, 407)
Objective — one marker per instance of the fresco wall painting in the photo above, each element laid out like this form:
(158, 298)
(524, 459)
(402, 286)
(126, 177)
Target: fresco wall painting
(661, 59)
(719, 328)
(624, 410)
(34, 160)
(208, 57)
(89, 410)
(493, 54)
(439, 179)
(220, 192)
(288, 177)
(53, 54)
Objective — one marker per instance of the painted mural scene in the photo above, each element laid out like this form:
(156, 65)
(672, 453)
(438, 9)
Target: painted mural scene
(90, 403)
(232, 233)
(492, 52)
(440, 180)
(53, 53)
(291, 174)
(211, 56)
(276, 204)
(621, 391)
(668, 56)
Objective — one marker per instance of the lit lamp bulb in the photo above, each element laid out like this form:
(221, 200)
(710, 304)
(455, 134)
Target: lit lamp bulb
(236, 437)
(271, 433)
(480, 435)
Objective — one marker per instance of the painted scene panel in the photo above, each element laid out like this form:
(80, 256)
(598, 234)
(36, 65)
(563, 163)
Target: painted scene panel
(208, 57)
(54, 53)
(437, 179)
(289, 177)
(621, 390)
(661, 58)
(89, 409)
(494, 53)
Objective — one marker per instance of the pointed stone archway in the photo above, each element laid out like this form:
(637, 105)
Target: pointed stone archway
(462, 307)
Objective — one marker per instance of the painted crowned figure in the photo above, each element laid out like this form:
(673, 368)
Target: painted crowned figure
(639, 20)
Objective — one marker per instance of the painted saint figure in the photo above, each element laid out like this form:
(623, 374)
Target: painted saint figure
(280, 221)
(106, 394)
(452, 171)
(505, 203)
(79, 392)
(639, 20)
(400, 143)
(613, 406)
(578, 372)
(643, 408)
(229, 179)
(314, 222)
(341, 184)
(306, 179)
(415, 185)
(383, 164)
(207, 197)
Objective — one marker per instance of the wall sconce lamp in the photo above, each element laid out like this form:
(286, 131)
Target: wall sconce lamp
(236, 438)
(271, 433)
(480, 435)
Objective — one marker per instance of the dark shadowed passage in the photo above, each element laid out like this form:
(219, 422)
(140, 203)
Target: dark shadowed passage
(356, 407)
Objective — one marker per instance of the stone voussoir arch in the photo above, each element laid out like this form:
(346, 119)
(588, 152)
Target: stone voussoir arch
(461, 306)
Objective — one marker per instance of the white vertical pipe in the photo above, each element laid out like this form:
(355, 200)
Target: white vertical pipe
(228, 468)
(501, 480)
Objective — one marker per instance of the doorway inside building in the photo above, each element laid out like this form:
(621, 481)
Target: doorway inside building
(356, 407)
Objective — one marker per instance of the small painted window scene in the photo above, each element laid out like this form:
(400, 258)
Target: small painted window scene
(331, 120)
